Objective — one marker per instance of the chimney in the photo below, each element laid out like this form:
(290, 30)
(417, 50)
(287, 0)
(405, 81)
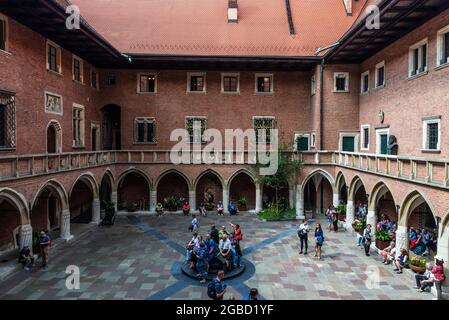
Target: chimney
(232, 11)
(348, 6)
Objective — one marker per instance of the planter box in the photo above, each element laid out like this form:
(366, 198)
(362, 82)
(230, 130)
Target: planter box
(418, 270)
(358, 230)
(381, 245)
(342, 217)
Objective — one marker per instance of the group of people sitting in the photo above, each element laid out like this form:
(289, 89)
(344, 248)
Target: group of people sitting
(434, 275)
(422, 241)
(232, 208)
(220, 244)
(361, 211)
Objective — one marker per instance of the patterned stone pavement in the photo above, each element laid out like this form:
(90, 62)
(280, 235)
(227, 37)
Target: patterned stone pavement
(140, 257)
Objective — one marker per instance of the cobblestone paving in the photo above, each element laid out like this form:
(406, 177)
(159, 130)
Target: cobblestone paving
(139, 258)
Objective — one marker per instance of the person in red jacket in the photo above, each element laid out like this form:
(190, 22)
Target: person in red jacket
(439, 276)
(186, 208)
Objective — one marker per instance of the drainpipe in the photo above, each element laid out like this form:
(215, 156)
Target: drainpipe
(321, 90)
(321, 103)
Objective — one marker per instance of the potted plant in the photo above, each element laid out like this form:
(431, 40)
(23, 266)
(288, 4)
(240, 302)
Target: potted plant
(172, 203)
(417, 265)
(132, 207)
(109, 207)
(359, 226)
(341, 209)
(383, 239)
(241, 203)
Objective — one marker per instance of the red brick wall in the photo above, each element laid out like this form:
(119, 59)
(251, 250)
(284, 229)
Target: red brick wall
(404, 101)
(24, 71)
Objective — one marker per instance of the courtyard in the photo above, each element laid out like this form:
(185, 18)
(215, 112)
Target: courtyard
(140, 257)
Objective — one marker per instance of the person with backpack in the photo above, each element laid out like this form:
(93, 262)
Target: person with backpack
(45, 244)
(319, 239)
(216, 288)
(367, 238)
(302, 234)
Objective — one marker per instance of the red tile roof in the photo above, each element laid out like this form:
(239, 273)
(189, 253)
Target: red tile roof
(200, 27)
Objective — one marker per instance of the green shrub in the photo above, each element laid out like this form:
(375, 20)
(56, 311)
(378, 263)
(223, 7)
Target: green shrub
(421, 263)
(271, 214)
(383, 235)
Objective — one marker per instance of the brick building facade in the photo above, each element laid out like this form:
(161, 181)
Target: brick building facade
(85, 132)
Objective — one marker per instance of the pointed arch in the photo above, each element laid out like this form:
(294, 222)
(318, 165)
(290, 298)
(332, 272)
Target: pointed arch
(354, 186)
(56, 126)
(380, 189)
(57, 188)
(110, 176)
(174, 171)
(339, 179)
(89, 179)
(209, 171)
(324, 173)
(133, 170)
(17, 200)
(413, 199)
(241, 171)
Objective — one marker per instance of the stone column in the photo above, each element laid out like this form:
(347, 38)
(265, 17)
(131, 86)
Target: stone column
(371, 219)
(225, 200)
(299, 203)
(259, 204)
(65, 225)
(114, 198)
(349, 214)
(192, 200)
(26, 236)
(153, 200)
(96, 211)
(291, 195)
(336, 200)
(401, 239)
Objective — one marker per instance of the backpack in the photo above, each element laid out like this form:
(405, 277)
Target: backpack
(211, 293)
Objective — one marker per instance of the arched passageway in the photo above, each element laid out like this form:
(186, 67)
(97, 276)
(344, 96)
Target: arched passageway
(317, 193)
(133, 192)
(81, 199)
(269, 197)
(105, 190)
(209, 190)
(9, 225)
(172, 189)
(241, 186)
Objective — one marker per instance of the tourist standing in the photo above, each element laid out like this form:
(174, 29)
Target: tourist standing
(202, 210)
(303, 235)
(220, 208)
(194, 226)
(330, 220)
(159, 209)
(211, 248)
(367, 238)
(237, 234)
(319, 239)
(45, 244)
(214, 234)
(202, 261)
(335, 218)
(216, 288)
(439, 276)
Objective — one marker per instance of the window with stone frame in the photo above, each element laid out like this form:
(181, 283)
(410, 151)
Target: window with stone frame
(78, 73)
(262, 128)
(443, 46)
(94, 78)
(380, 75)
(364, 82)
(341, 82)
(432, 134)
(264, 83)
(7, 121)
(418, 58)
(53, 103)
(145, 130)
(195, 127)
(78, 126)
(53, 57)
(196, 82)
(147, 83)
(230, 83)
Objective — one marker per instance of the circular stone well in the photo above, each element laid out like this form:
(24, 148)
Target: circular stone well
(192, 273)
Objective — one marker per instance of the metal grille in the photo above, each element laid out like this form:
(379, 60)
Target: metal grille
(7, 121)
